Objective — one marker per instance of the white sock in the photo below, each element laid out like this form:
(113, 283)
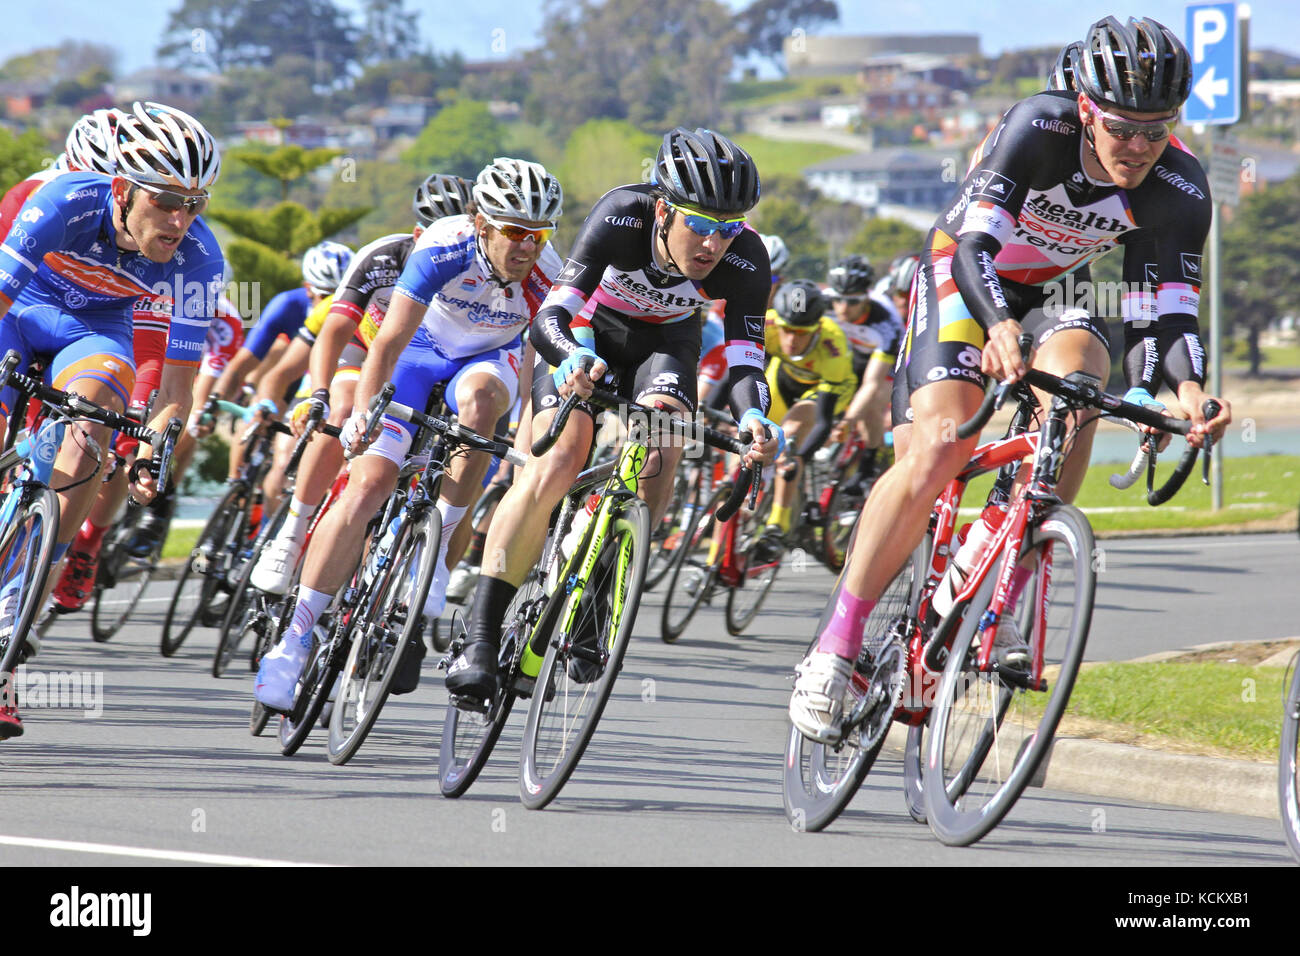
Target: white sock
(309, 607)
(300, 515)
(451, 515)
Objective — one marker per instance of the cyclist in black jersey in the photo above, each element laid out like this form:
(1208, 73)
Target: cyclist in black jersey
(647, 258)
(1062, 180)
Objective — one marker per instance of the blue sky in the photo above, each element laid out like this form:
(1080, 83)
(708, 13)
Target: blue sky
(472, 28)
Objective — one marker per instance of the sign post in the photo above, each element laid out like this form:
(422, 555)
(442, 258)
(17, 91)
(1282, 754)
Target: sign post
(1216, 43)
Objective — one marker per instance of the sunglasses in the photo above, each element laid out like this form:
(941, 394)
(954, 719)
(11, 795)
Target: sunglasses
(1124, 129)
(169, 201)
(517, 233)
(703, 225)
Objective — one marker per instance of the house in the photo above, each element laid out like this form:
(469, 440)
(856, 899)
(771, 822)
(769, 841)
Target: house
(176, 88)
(831, 55)
(915, 178)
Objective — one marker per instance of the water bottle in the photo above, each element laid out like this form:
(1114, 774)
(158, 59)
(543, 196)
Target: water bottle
(971, 541)
(579, 526)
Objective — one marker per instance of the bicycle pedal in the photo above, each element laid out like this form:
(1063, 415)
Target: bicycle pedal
(469, 703)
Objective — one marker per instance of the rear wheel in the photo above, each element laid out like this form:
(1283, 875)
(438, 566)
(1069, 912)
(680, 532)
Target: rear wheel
(760, 560)
(120, 582)
(1288, 766)
(578, 673)
(313, 690)
(667, 535)
(821, 779)
(200, 580)
(691, 576)
(988, 730)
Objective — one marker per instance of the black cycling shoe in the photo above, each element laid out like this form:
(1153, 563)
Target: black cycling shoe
(581, 670)
(474, 673)
(153, 525)
(407, 677)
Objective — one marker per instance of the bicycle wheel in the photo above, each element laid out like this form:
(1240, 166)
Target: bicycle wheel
(244, 597)
(120, 582)
(26, 552)
(1288, 767)
(395, 618)
(988, 732)
(313, 690)
(575, 682)
(821, 779)
(841, 516)
(200, 579)
(761, 561)
(913, 759)
(667, 534)
(469, 736)
(691, 576)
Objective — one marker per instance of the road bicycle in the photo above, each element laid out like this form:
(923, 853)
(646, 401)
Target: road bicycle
(122, 576)
(566, 632)
(210, 575)
(29, 516)
(1288, 764)
(977, 730)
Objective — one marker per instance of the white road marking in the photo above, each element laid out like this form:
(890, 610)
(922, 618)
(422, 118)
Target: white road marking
(111, 849)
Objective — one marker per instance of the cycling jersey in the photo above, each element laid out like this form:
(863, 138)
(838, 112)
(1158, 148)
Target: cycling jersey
(315, 320)
(66, 281)
(283, 315)
(880, 330)
(1028, 217)
(225, 335)
(822, 374)
(367, 287)
(467, 310)
(612, 272)
(19, 193)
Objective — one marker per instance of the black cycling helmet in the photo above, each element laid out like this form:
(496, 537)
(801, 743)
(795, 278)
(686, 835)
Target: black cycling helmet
(852, 275)
(707, 171)
(1062, 75)
(1139, 66)
(440, 195)
(799, 304)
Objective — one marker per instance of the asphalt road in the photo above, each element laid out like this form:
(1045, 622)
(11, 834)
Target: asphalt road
(685, 767)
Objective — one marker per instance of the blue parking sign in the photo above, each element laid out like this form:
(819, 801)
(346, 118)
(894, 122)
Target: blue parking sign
(1214, 43)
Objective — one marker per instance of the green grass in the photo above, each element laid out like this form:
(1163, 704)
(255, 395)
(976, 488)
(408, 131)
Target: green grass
(180, 542)
(1279, 356)
(1254, 488)
(750, 93)
(786, 157)
(1232, 707)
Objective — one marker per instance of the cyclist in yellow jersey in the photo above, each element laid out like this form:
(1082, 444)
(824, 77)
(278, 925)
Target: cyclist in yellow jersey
(810, 375)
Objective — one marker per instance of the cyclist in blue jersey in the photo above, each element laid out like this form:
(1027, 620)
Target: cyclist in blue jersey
(81, 251)
(469, 288)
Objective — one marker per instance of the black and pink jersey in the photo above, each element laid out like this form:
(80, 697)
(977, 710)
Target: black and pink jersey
(612, 271)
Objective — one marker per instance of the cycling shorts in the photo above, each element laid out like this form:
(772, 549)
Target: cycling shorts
(95, 346)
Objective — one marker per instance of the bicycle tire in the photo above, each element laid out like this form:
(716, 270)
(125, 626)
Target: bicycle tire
(243, 595)
(913, 772)
(661, 557)
(189, 604)
(121, 581)
(565, 710)
(468, 737)
(39, 518)
(392, 621)
(315, 682)
(820, 780)
(746, 600)
(690, 578)
(982, 751)
(1288, 766)
(842, 512)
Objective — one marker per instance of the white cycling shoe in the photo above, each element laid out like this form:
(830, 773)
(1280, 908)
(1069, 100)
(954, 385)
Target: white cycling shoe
(277, 678)
(436, 602)
(817, 704)
(274, 569)
(461, 584)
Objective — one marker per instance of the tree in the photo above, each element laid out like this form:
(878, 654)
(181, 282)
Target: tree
(20, 156)
(203, 33)
(766, 24)
(391, 32)
(654, 65)
(1261, 264)
(286, 163)
(461, 140)
(790, 220)
(881, 240)
(602, 154)
(422, 74)
(68, 61)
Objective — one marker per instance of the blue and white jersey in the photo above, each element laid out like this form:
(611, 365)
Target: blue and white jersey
(467, 310)
(62, 251)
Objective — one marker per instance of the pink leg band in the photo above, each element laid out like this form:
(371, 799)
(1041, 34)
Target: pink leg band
(843, 636)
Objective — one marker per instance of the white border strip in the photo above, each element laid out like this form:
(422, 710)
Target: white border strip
(111, 849)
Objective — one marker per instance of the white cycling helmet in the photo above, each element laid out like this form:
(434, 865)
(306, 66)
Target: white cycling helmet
(777, 252)
(323, 266)
(90, 142)
(158, 145)
(519, 190)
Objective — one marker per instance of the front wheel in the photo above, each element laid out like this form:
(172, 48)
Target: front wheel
(1288, 765)
(760, 563)
(584, 654)
(193, 600)
(121, 580)
(383, 636)
(988, 730)
(26, 552)
(692, 576)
